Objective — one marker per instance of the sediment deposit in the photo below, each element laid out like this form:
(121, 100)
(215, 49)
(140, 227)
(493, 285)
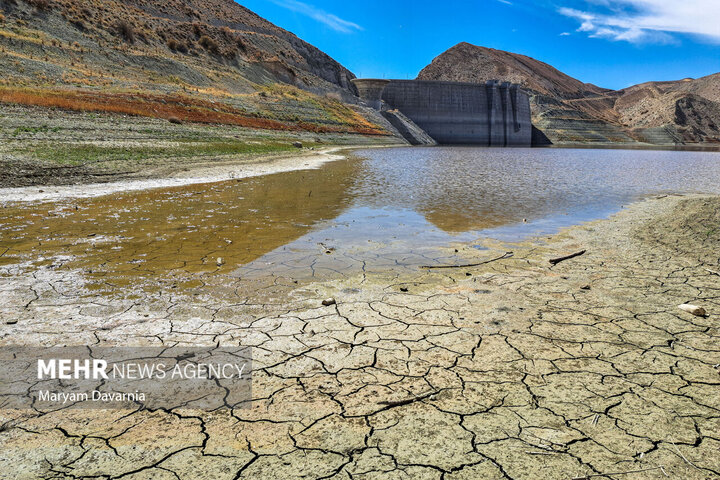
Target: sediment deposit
(47, 148)
(510, 369)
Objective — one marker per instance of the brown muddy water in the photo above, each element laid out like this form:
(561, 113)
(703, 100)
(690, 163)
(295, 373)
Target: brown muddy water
(379, 210)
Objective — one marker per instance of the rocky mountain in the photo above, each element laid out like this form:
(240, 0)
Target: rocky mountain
(567, 110)
(181, 37)
(204, 50)
(470, 63)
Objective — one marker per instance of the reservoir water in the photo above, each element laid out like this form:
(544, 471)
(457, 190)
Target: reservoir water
(380, 209)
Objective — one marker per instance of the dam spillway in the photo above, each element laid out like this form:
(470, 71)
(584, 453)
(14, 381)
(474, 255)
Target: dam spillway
(493, 114)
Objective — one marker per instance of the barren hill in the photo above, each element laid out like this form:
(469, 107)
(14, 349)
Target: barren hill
(470, 63)
(567, 110)
(178, 55)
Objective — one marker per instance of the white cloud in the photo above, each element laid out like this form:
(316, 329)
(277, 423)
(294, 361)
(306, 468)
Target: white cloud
(640, 21)
(332, 21)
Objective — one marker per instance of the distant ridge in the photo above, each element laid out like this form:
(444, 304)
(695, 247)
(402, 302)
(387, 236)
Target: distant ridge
(567, 110)
(469, 63)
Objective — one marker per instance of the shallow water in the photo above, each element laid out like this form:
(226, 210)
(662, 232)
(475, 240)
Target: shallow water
(471, 189)
(383, 209)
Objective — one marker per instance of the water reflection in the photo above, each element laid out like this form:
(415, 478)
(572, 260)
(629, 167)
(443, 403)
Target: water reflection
(385, 209)
(411, 200)
(145, 234)
(464, 189)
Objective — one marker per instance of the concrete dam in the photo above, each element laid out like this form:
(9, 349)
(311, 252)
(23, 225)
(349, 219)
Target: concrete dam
(453, 113)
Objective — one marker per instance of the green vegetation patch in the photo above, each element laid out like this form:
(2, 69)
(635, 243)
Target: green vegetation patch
(33, 130)
(80, 154)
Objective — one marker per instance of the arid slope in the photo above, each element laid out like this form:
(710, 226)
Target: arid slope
(178, 55)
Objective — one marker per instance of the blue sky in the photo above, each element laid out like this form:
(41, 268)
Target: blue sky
(611, 43)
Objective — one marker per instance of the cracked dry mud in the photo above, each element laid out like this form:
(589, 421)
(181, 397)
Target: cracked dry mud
(513, 369)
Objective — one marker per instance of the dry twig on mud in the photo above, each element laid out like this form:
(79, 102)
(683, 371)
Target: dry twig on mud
(467, 265)
(683, 456)
(555, 261)
(588, 477)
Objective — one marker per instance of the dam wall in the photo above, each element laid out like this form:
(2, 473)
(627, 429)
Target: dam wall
(371, 90)
(455, 113)
(497, 113)
(519, 124)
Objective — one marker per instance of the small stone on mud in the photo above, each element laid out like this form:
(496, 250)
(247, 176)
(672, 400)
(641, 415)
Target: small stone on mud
(329, 301)
(297, 145)
(585, 287)
(694, 309)
(220, 261)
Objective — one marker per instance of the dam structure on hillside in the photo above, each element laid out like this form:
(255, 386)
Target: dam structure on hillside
(494, 114)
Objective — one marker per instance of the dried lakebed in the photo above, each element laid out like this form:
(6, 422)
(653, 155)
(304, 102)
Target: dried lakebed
(509, 369)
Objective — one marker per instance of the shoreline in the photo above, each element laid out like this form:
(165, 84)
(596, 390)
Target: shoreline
(238, 168)
(689, 147)
(199, 173)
